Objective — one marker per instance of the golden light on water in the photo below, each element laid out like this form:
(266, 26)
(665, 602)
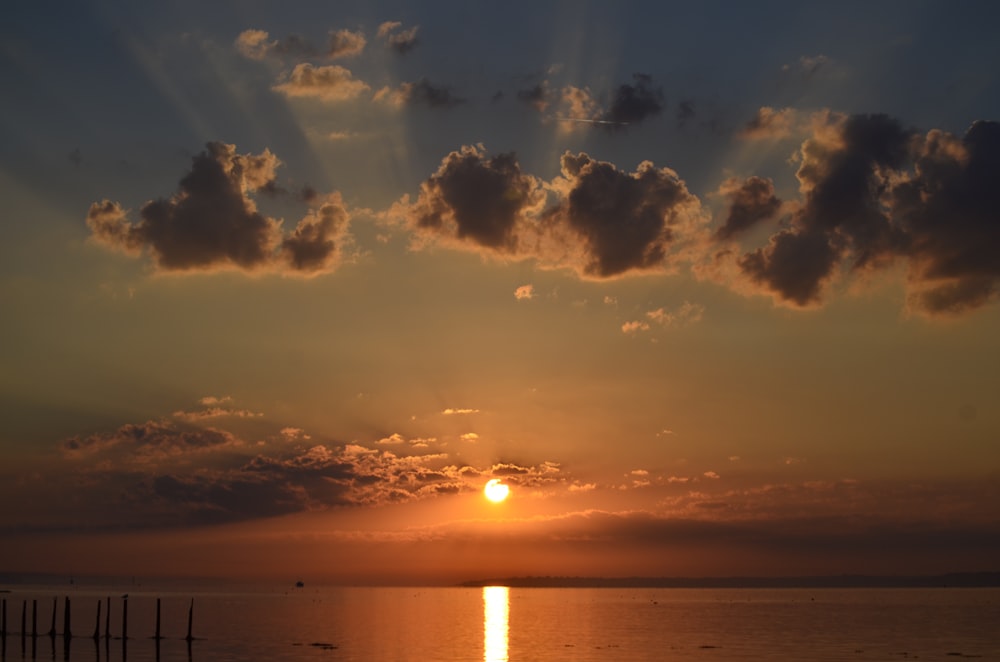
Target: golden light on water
(496, 491)
(496, 606)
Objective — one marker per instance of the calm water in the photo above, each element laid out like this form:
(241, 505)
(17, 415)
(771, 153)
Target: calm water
(515, 624)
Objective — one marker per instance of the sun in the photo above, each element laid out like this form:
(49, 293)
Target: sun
(496, 491)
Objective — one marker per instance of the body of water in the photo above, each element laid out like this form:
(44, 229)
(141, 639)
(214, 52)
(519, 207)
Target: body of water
(498, 623)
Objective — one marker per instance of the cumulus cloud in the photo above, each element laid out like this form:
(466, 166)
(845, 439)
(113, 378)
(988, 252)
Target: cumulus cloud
(536, 96)
(454, 412)
(331, 83)
(843, 174)
(400, 40)
(420, 93)
(948, 209)
(212, 221)
(478, 199)
(602, 222)
(750, 202)
(627, 221)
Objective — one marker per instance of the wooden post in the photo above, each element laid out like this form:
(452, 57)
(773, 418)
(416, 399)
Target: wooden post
(24, 618)
(157, 635)
(67, 632)
(125, 617)
(3, 625)
(97, 625)
(34, 618)
(52, 629)
(190, 620)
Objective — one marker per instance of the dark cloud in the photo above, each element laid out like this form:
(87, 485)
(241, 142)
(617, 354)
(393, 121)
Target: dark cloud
(603, 222)
(949, 209)
(149, 441)
(750, 202)
(536, 96)
(212, 221)
(770, 124)
(422, 92)
(627, 221)
(477, 198)
(844, 174)
(685, 112)
(314, 245)
(631, 104)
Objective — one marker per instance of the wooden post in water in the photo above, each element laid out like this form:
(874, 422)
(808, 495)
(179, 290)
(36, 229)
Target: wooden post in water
(52, 629)
(125, 617)
(34, 618)
(3, 624)
(67, 633)
(97, 625)
(157, 635)
(190, 620)
(24, 618)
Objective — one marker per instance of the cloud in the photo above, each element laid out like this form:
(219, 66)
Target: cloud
(770, 124)
(536, 96)
(603, 222)
(399, 40)
(254, 44)
(331, 83)
(422, 93)
(212, 221)
(470, 437)
(344, 43)
(454, 412)
(627, 221)
(947, 208)
(149, 442)
(751, 201)
(844, 172)
(631, 104)
(808, 65)
(524, 292)
(478, 199)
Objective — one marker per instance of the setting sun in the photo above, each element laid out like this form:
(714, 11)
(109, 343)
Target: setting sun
(496, 491)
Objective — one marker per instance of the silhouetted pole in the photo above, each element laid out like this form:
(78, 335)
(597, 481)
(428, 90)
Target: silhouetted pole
(34, 618)
(67, 633)
(24, 619)
(97, 625)
(157, 635)
(107, 621)
(190, 621)
(125, 617)
(3, 624)
(52, 630)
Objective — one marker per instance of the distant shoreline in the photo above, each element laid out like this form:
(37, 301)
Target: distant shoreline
(950, 580)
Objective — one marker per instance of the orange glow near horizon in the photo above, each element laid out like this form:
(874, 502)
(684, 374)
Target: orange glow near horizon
(496, 491)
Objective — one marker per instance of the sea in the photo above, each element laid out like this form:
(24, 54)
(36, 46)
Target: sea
(495, 623)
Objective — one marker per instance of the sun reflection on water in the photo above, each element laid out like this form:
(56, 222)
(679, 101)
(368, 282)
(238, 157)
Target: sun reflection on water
(496, 605)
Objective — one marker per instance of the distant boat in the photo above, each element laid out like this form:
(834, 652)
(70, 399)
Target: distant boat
(299, 584)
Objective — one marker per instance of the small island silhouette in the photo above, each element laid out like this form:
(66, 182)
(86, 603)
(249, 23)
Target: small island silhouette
(950, 580)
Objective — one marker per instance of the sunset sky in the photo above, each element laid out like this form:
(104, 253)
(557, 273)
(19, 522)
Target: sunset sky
(713, 287)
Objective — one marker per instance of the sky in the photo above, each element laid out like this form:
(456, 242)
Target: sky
(712, 287)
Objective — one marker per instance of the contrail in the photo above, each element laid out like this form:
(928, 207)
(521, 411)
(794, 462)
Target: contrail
(577, 119)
